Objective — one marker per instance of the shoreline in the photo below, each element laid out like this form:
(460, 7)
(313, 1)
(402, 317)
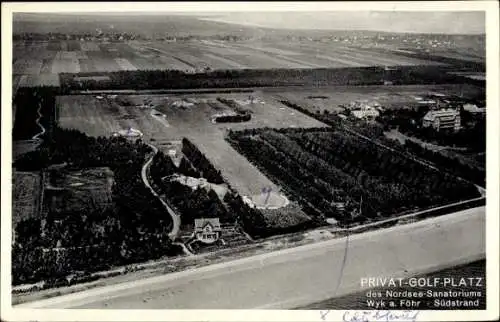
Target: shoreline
(431, 227)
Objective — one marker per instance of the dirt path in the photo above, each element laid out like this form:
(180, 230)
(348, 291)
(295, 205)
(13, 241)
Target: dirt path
(176, 219)
(42, 132)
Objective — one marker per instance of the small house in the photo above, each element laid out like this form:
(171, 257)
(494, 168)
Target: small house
(207, 230)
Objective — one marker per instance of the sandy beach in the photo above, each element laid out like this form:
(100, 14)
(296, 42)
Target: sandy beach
(319, 271)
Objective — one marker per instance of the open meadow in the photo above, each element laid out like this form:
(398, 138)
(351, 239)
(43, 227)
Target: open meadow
(40, 62)
(331, 98)
(26, 196)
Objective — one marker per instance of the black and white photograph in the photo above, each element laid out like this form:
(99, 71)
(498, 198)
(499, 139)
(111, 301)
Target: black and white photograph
(332, 161)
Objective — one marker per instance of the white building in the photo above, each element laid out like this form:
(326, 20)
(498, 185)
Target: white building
(442, 119)
(367, 113)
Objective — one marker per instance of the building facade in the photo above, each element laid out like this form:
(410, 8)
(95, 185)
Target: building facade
(207, 230)
(367, 113)
(445, 119)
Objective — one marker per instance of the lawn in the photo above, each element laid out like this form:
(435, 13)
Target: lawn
(26, 194)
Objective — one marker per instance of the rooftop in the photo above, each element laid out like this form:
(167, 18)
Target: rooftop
(199, 223)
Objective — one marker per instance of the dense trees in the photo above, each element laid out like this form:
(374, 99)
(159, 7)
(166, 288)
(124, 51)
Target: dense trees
(187, 169)
(323, 167)
(173, 79)
(251, 219)
(28, 102)
(200, 162)
(134, 229)
(409, 122)
(474, 138)
(454, 165)
(233, 118)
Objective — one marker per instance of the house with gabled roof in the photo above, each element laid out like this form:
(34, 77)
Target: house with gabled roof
(207, 230)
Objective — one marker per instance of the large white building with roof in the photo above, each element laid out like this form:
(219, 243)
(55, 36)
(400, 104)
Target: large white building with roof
(442, 119)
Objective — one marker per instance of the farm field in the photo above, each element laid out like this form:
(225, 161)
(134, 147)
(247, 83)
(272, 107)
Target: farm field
(38, 63)
(104, 117)
(283, 55)
(26, 196)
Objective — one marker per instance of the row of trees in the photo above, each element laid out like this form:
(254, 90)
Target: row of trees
(200, 162)
(233, 105)
(323, 168)
(173, 79)
(292, 177)
(187, 169)
(375, 131)
(232, 78)
(454, 165)
(233, 118)
(197, 203)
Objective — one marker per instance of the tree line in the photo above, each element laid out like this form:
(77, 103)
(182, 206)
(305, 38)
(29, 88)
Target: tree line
(233, 118)
(242, 78)
(409, 122)
(200, 162)
(323, 168)
(375, 131)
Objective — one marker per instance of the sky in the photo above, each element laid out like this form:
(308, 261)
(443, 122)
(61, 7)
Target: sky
(465, 22)
(442, 22)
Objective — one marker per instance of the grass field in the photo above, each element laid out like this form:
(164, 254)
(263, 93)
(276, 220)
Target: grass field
(106, 116)
(68, 191)
(43, 58)
(318, 100)
(103, 117)
(26, 193)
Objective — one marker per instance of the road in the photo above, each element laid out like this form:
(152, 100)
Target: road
(42, 132)
(301, 275)
(176, 219)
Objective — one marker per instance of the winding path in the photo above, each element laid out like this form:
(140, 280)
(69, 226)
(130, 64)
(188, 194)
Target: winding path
(176, 219)
(42, 132)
